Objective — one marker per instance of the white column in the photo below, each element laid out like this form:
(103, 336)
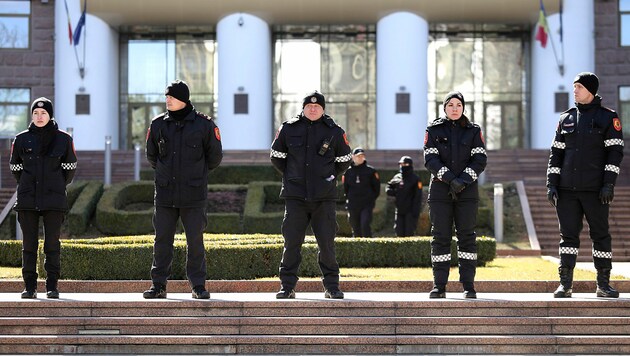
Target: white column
(244, 51)
(401, 70)
(100, 80)
(579, 56)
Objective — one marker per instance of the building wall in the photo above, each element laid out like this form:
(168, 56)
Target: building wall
(33, 67)
(612, 62)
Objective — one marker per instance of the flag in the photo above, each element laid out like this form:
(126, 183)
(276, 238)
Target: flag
(79, 28)
(69, 22)
(542, 31)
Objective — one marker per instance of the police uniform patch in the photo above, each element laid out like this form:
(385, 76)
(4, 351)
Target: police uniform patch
(313, 99)
(40, 104)
(426, 137)
(345, 138)
(481, 137)
(617, 124)
(217, 133)
(148, 134)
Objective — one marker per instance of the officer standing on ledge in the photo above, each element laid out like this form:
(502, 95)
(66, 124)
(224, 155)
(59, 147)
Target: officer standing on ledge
(362, 186)
(311, 151)
(583, 167)
(406, 187)
(183, 146)
(455, 154)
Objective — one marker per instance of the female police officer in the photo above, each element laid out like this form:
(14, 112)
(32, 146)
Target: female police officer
(43, 162)
(455, 154)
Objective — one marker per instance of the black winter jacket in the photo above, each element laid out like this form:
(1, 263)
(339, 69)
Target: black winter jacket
(587, 149)
(407, 189)
(182, 153)
(310, 155)
(42, 177)
(362, 186)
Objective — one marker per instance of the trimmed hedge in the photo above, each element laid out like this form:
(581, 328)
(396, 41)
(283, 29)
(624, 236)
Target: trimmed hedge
(11, 253)
(111, 219)
(233, 174)
(83, 208)
(241, 257)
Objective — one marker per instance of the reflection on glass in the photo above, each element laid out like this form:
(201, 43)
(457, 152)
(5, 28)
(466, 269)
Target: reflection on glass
(625, 30)
(15, 7)
(624, 5)
(14, 32)
(624, 103)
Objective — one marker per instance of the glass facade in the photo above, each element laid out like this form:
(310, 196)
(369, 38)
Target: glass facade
(14, 111)
(488, 65)
(624, 106)
(15, 24)
(154, 57)
(624, 22)
(339, 61)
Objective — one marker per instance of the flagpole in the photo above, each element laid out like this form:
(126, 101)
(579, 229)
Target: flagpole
(82, 67)
(553, 46)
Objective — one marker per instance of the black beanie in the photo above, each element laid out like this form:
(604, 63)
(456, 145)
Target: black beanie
(451, 95)
(589, 80)
(314, 98)
(43, 103)
(178, 90)
(405, 159)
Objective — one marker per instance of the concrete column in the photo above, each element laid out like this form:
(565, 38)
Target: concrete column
(401, 70)
(244, 51)
(100, 80)
(579, 56)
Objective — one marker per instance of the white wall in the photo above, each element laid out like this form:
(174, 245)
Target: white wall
(401, 50)
(579, 56)
(244, 51)
(100, 80)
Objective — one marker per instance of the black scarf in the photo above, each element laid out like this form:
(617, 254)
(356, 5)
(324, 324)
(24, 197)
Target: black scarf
(45, 134)
(181, 114)
(597, 102)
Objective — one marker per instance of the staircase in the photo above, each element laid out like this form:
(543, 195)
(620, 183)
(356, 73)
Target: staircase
(363, 323)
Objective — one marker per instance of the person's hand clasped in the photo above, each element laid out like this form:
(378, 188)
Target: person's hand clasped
(607, 193)
(552, 195)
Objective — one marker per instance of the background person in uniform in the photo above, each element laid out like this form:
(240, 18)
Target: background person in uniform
(406, 187)
(43, 162)
(455, 154)
(362, 186)
(583, 167)
(310, 151)
(183, 146)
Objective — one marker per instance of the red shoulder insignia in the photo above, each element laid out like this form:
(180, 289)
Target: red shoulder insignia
(617, 124)
(148, 134)
(217, 133)
(345, 138)
(426, 137)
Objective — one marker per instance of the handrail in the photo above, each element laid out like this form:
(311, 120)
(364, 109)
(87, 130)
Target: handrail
(527, 215)
(7, 209)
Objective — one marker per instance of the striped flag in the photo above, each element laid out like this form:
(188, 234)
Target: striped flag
(542, 31)
(69, 22)
(79, 28)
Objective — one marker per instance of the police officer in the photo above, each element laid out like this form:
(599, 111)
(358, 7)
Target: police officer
(183, 146)
(311, 151)
(406, 187)
(362, 186)
(43, 163)
(455, 154)
(583, 166)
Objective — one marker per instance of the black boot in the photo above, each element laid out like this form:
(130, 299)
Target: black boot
(438, 291)
(604, 289)
(51, 289)
(469, 291)
(565, 290)
(157, 291)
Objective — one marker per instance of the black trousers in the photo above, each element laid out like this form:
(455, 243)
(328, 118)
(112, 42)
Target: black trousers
(444, 211)
(572, 207)
(165, 223)
(322, 217)
(405, 224)
(360, 221)
(29, 224)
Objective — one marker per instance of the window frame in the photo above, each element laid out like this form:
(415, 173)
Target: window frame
(28, 25)
(26, 104)
(623, 13)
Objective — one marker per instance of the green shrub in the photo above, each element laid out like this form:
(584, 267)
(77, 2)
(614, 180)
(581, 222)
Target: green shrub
(83, 208)
(10, 253)
(236, 256)
(233, 174)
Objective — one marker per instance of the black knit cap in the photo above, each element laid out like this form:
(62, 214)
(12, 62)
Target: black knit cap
(451, 95)
(588, 80)
(405, 159)
(314, 98)
(43, 103)
(358, 150)
(178, 90)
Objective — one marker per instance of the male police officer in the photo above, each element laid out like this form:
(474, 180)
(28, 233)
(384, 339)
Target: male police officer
(362, 186)
(310, 151)
(583, 166)
(183, 145)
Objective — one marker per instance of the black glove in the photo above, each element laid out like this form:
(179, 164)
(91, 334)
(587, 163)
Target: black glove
(457, 185)
(552, 195)
(607, 193)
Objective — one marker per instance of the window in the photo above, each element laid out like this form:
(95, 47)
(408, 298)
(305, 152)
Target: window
(624, 106)
(14, 111)
(624, 22)
(14, 24)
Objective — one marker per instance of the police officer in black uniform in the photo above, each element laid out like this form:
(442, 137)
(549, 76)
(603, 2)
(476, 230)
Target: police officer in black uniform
(583, 167)
(183, 146)
(455, 154)
(43, 162)
(311, 151)
(362, 186)
(406, 187)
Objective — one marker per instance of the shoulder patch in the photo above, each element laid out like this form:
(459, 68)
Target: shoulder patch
(217, 133)
(617, 124)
